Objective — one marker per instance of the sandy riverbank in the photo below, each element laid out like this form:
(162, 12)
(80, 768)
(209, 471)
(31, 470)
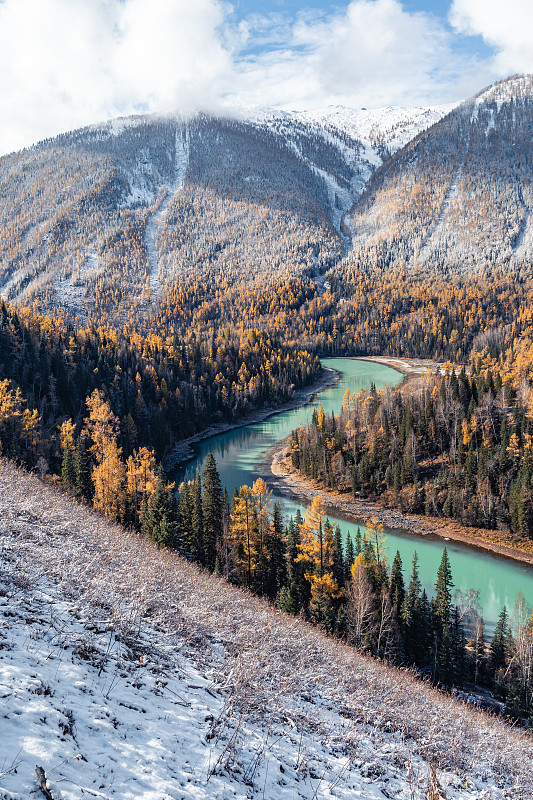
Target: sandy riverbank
(407, 366)
(184, 450)
(276, 470)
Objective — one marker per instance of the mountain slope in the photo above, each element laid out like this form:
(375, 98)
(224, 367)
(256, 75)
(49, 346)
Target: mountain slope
(101, 220)
(360, 140)
(132, 674)
(459, 196)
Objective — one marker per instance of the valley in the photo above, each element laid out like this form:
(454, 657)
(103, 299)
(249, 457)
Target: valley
(254, 451)
(223, 510)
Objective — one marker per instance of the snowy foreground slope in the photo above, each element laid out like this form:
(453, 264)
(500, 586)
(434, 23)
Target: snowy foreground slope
(127, 673)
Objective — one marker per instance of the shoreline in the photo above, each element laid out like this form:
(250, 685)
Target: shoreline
(277, 472)
(183, 451)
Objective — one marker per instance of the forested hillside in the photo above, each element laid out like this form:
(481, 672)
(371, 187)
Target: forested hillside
(101, 221)
(458, 197)
(157, 390)
(133, 672)
(76, 212)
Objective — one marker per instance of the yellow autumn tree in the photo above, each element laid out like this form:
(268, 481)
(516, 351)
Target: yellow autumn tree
(243, 533)
(109, 477)
(66, 434)
(141, 478)
(262, 498)
(109, 473)
(316, 552)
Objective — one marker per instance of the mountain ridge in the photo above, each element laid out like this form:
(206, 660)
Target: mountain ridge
(96, 222)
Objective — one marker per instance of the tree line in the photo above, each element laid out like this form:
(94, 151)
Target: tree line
(447, 445)
(348, 587)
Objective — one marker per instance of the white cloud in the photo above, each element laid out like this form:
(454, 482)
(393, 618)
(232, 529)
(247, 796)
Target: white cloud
(507, 27)
(372, 53)
(67, 63)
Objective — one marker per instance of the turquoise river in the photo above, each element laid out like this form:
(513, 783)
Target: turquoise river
(238, 453)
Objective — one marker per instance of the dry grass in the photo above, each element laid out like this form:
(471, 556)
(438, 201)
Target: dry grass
(271, 665)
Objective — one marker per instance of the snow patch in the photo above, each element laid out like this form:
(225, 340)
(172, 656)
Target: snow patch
(112, 705)
(181, 161)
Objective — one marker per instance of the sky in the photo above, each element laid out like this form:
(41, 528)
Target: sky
(69, 63)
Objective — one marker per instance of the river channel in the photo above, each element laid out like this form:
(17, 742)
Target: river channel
(238, 453)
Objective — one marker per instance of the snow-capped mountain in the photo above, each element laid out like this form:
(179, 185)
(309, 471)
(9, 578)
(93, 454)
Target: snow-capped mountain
(459, 196)
(103, 218)
(364, 139)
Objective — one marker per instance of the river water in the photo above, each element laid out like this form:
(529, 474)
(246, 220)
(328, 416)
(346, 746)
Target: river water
(238, 452)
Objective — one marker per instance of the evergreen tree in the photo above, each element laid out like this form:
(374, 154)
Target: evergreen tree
(159, 521)
(276, 547)
(442, 602)
(410, 615)
(397, 586)
(212, 504)
(82, 473)
(500, 645)
(349, 558)
(185, 505)
(288, 600)
(68, 471)
(338, 561)
(197, 522)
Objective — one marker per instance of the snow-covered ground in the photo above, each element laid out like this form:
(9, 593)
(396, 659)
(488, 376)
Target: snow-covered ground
(516, 88)
(391, 126)
(127, 673)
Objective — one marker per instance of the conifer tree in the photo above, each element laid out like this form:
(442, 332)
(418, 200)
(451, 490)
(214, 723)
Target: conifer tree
(82, 477)
(212, 499)
(243, 523)
(397, 586)
(500, 645)
(197, 522)
(276, 574)
(338, 560)
(410, 615)
(68, 472)
(184, 519)
(350, 556)
(442, 602)
(159, 520)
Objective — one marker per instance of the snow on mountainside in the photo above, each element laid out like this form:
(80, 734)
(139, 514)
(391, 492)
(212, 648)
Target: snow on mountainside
(518, 87)
(392, 126)
(103, 219)
(363, 138)
(459, 196)
(126, 672)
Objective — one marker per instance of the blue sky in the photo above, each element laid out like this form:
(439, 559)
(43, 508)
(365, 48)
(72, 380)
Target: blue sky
(292, 9)
(68, 63)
